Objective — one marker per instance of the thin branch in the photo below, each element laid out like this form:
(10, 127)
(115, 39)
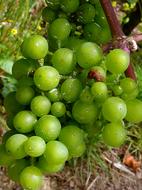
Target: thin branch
(137, 37)
(112, 19)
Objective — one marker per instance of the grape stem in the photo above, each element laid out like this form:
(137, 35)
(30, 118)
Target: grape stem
(119, 38)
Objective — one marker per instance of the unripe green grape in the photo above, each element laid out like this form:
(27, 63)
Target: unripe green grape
(54, 95)
(117, 90)
(99, 91)
(84, 113)
(69, 6)
(49, 168)
(86, 13)
(48, 127)
(71, 89)
(89, 54)
(24, 95)
(74, 43)
(58, 109)
(34, 146)
(35, 47)
(128, 85)
(95, 33)
(73, 137)
(5, 158)
(130, 96)
(24, 121)
(46, 78)
(134, 111)
(15, 146)
(117, 61)
(11, 105)
(114, 134)
(15, 169)
(24, 67)
(60, 29)
(48, 15)
(86, 95)
(31, 178)
(64, 61)
(62, 14)
(114, 109)
(7, 135)
(56, 153)
(40, 105)
(25, 81)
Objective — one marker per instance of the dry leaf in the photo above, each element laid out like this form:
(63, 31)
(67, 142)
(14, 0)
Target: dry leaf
(131, 162)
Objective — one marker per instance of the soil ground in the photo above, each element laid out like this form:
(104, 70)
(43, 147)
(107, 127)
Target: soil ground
(69, 179)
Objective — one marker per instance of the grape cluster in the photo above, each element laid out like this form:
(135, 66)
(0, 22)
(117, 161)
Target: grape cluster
(66, 89)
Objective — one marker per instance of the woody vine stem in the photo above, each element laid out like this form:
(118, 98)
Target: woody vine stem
(129, 44)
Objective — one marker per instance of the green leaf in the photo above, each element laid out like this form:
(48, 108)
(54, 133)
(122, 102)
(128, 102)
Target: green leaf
(6, 65)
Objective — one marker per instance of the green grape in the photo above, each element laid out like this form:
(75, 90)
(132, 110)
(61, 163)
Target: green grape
(25, 81)
(114, 134)
(46, 78)
(53, 4)
(130, 96)
(98, 73)
(11, 105)
(117, 61)
(48, 15)
(40, 105)
(128, 85)
(47, 60)
(24, 67)
(7, 135)
(84, 113)
(73, 138)
(9, 121)
(95, 33)
(31, 178)
(114, 109)
(34, 146)
(89, 54)
(134, 111)
(117, 90)
(58, 109)
(61, 14)
(71, 89)
(69, 6)
(79, 150)
(74, 43)
(86, 95)
(15, 146)
(15, 169)
(34, 47)
(56, 153)
(99, 91)
(60, 29)
(5, 158)
(64, 61)
(54, 95)
(86, 13)
(24, 121)
(24, 95)
(48, 127)
(93, 130)
(49, 168)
